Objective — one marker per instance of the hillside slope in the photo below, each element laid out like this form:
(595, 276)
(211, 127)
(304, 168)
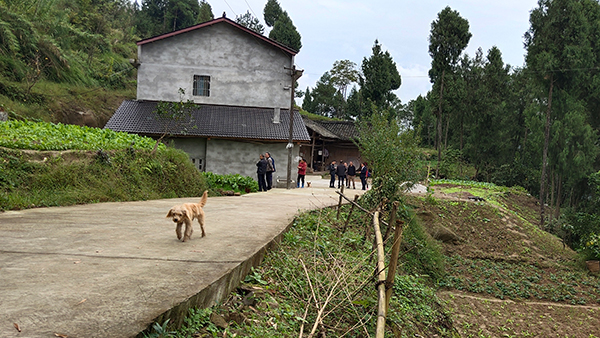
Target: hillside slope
(505, 276)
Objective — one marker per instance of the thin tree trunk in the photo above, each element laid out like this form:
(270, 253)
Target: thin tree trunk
(558, 196)
(545, 153)
(439, 127)
(446, 133)
(552, 190)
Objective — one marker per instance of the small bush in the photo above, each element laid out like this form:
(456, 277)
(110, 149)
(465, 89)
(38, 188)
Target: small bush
(235, 182)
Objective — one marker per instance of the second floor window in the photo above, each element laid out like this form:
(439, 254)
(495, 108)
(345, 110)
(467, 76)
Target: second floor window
(201, 85)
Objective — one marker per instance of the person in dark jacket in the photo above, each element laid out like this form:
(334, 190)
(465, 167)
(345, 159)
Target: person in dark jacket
(331, 168)
(261, 170)
(351, 174)
(270, 169)
(341, 173)
(364, 171)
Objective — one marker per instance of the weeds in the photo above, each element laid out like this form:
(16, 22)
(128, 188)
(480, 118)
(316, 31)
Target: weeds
(320, 281)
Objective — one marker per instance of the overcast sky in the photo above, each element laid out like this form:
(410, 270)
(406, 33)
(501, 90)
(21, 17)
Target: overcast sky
(346, 29)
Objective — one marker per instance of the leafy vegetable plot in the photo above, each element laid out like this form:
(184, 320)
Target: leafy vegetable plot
(50, 136)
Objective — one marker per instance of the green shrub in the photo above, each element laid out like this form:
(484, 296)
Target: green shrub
(90, 177)
(49, 136)
(235, 182)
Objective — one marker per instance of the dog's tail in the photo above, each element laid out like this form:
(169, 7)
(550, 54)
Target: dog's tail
(204, 198)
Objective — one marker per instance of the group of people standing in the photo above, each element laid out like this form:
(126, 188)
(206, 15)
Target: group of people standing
(346, 172)
(265, 167)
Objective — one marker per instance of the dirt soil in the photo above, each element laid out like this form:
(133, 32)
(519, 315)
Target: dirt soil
(506, 277)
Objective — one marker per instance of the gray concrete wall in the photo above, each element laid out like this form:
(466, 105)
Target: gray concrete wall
(244, 71)
(195, 147)
(234, 157)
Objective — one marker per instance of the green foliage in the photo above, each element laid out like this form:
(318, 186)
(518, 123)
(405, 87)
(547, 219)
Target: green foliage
(391, 153)
(285, 32)
(49, 136)
(379, 77)
(449, 37)
(235, 182)
(79, 177)
(160, 331)
(520, 281)
(271, 12)
(419, 306)
(592, 247)
(249, 21)
(316, 261)
(423, 255)
(325, 99)
(205, 13)
(158, 17)
(67, 41)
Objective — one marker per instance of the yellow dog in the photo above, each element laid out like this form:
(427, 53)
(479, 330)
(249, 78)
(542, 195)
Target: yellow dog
(185, 213)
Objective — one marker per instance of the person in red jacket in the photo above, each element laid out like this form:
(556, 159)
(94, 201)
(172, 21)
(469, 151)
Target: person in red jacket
(301, 172)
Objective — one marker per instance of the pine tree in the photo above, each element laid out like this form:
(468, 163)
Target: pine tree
(205, 13)
(285, 32)
(379, 77)
(249, 21)
(272, 12)
(449, 37)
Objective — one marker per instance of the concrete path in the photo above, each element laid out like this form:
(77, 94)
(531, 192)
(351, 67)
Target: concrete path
(111, 269)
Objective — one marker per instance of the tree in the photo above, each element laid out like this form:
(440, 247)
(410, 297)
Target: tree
(205, 13)
(449, 37)
(326, 100)
(173, 115)
(343, 74)
(249, 21)
(272, 12)
(391, 151)
(285, 32)
(162, 16)
(307, 103)
(181, 14)
(560, 52)
(488, 89)
(379, 77)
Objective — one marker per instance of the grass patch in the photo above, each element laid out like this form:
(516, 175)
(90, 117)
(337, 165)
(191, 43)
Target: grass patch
(29, 180)
(318, 264)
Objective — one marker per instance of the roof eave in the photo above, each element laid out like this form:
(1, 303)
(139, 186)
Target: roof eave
(216, 21)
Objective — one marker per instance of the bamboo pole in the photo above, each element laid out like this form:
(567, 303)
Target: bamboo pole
(393, 263)
(350, 214)
(380, 330)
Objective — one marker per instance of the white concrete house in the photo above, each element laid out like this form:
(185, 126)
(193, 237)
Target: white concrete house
(241, 82)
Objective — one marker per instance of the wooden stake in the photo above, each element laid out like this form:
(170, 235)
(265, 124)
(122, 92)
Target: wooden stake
(358, 206)
(393, 262)
(392, 220)
(350, 213)
(381, 308)
(340, 203)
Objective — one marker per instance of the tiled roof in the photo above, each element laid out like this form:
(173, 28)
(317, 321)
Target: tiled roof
(343, 130)
(208, 121)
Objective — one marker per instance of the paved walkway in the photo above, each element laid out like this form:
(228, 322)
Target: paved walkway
(111, 269)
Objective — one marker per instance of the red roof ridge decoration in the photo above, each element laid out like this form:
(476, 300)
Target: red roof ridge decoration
(216, 21)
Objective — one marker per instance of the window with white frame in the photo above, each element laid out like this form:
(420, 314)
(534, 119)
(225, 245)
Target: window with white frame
(201, 85)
